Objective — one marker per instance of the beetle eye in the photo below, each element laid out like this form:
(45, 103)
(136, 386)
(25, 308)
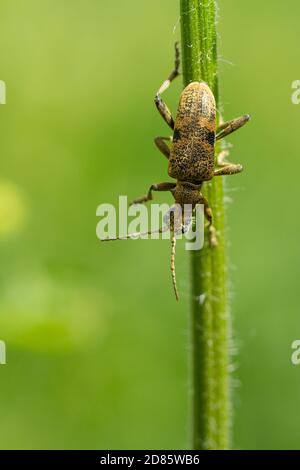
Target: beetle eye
(185, 228)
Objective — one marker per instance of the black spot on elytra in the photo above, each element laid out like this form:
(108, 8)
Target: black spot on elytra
(176, 135)
(210, 138)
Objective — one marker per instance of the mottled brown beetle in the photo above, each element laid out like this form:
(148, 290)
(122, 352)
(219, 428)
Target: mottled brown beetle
(191, 154)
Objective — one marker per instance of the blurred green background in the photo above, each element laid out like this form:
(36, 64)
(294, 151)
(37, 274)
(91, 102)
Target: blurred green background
(97, 347)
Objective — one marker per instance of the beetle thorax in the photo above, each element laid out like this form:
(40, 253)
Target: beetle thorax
(186, 193)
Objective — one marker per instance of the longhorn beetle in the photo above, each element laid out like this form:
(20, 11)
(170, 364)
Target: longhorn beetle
(191, 154)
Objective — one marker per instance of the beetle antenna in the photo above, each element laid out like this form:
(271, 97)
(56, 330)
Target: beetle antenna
(173, 251)
(134, 235)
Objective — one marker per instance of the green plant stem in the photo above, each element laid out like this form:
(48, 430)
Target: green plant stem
(210, 325)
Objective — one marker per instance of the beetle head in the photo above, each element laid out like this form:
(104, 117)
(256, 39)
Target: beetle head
(178, 218)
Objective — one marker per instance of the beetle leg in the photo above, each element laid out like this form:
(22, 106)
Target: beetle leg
(230, 126)
(160, 104)
(208, 214)
(229, 169)
(162, 146)
(154, 187)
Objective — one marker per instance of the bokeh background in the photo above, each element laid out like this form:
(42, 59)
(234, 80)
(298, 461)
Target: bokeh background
(97, 347)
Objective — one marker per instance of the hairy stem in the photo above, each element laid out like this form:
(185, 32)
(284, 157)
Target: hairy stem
(210, 325)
